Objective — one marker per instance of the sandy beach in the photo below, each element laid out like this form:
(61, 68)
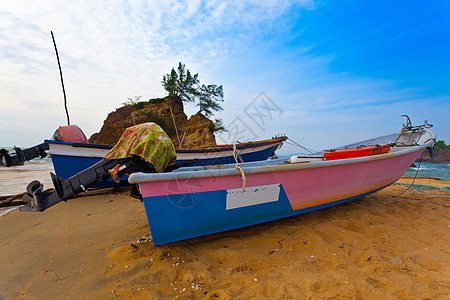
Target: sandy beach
(382, 246)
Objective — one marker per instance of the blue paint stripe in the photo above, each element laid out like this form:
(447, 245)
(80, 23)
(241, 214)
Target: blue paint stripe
(184, 216)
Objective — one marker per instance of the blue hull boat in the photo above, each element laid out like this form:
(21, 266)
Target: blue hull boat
(70, 158)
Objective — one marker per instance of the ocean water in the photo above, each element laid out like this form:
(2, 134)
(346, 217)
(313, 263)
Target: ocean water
(441, 171)
(14, 180)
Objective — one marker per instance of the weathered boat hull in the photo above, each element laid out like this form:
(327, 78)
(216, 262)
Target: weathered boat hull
(188, 204)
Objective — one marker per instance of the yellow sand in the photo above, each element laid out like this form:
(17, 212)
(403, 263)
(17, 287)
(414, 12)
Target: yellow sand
(378, 247)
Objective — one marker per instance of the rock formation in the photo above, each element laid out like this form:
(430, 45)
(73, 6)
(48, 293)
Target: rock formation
(193, 132)
(441, 154)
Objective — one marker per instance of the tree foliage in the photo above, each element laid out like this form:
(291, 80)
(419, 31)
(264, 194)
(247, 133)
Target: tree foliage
(131, 101)
(209, 97)
(181, 83)
(218, 126)
(441, 145)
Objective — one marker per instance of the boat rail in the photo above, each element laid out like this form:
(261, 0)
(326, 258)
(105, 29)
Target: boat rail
(425, 137)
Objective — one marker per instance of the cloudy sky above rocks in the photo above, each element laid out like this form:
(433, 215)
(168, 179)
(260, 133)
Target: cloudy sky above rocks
(331, 72)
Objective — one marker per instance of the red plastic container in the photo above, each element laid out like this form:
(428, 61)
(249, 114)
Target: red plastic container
(356, 152)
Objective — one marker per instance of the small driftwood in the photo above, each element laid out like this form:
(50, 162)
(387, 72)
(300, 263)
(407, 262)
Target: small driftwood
(6, 201)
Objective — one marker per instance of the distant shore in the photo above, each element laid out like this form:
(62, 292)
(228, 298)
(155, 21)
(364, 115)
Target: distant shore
(383, 245)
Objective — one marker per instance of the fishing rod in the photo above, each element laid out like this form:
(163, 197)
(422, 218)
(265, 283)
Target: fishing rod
(62, 81)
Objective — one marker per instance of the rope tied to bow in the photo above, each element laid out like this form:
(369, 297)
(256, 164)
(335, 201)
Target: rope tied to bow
(236, 155)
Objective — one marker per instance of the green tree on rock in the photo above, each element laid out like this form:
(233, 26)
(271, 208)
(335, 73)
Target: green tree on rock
(181, 83)
(209, 97)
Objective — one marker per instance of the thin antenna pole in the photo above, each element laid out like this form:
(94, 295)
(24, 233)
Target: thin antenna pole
(62, 81)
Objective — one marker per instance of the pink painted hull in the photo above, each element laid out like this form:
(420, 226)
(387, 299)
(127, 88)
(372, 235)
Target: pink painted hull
(196, 202)
(304, 187)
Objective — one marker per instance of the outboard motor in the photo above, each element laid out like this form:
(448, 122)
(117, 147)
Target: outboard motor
(141, 148)
(20, 155)
(70, 133)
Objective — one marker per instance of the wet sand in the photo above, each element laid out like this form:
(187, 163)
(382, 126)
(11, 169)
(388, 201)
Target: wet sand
(377, 247)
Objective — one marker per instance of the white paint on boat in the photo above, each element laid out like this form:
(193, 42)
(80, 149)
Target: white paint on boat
(254, 195)
(69, 150)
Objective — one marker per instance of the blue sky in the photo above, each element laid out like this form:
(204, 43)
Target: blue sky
(338, 71)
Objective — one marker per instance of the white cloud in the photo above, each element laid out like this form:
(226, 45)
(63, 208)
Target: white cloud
(111, 50)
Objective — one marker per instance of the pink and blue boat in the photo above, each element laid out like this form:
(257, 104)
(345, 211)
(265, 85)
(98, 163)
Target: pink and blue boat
(197, 201)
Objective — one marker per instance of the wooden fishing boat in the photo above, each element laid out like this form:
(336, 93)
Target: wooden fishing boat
(69, 158)
(196, 201)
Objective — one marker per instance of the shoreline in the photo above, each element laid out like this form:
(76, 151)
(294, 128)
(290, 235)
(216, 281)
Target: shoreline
(99, 246)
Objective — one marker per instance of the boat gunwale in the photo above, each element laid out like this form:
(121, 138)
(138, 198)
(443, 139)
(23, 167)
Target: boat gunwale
(80, 145)
(229, 170)
(217, 149)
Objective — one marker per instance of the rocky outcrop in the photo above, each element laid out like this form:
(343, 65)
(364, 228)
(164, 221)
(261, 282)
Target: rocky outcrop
(441, 154)
(193, 132)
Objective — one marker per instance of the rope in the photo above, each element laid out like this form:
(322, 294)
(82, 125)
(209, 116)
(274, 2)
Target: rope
(297, 144)
(235, 155)
(417, 172)
(422, 187)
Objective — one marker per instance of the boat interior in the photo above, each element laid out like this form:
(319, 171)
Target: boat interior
(409, 137)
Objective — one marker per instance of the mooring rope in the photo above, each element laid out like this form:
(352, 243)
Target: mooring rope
(294, 143)
(417, 172)
(236, 155)
(422, 187)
